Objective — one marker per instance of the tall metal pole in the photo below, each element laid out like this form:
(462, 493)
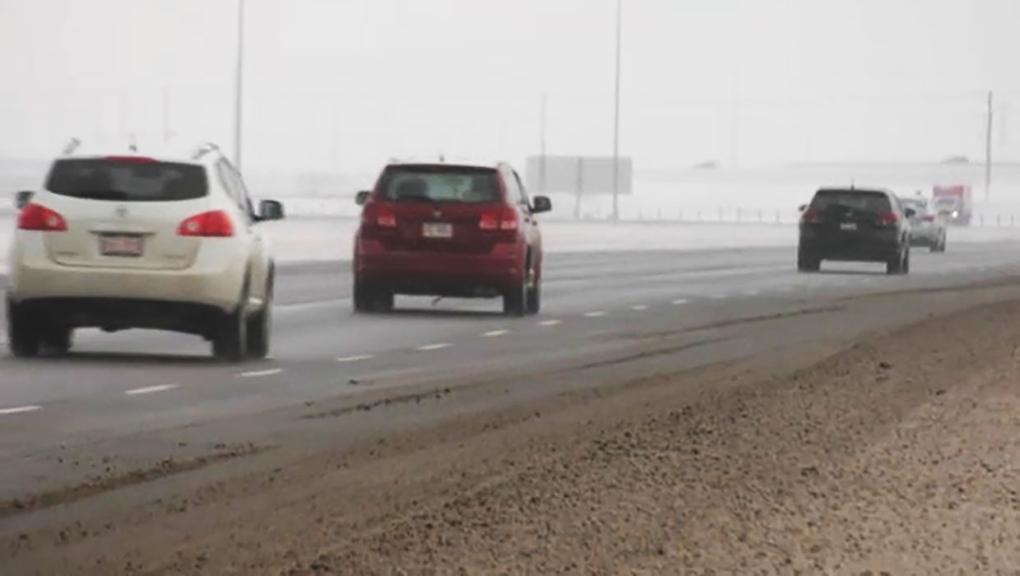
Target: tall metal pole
(239, 86)
(616, 116)
(541, 139)
(988, 147)
(166, 114)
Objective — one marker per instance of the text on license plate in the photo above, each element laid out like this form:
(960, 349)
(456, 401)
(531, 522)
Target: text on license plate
(437, 230)
(120, 245)
(848, 226)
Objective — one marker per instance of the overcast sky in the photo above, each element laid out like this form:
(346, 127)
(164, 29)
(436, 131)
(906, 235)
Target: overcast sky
(347, 83)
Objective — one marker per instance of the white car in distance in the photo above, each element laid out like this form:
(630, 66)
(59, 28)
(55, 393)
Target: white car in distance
(120, 241)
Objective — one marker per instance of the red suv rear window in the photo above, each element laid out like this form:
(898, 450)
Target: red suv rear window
(426, 183)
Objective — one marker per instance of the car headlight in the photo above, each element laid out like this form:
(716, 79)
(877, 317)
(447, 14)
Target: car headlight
(955, 213)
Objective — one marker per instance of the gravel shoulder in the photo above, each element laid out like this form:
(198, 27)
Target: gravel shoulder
(894, 455)
(897, 456)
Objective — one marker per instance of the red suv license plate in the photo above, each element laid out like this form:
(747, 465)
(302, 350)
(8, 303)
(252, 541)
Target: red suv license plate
(437, 230)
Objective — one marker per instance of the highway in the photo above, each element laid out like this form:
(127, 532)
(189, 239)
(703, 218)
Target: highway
(139, 399)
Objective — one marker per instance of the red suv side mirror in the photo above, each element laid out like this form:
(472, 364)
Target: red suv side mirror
(541, 204)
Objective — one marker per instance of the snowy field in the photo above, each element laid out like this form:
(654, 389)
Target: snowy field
(308, 239)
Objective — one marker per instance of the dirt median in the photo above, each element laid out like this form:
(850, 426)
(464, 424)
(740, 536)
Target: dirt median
(898, 456)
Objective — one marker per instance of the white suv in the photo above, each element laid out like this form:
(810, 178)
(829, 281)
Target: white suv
(122, 241)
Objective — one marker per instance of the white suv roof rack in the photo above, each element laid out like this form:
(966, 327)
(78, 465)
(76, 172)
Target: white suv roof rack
(74, 146)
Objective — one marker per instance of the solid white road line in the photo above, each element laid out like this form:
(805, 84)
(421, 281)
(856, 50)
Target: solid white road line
(150, 389)
(431, 347)
(495, 333)
(355, 358)
(596, 314)
(550, 322)
(680, 302)
(258, 373)
(19, 410)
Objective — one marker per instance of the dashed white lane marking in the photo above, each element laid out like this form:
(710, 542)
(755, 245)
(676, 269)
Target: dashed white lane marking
(639, 307)
(258, 373)
(431, 347)
(495, 333)
(19, 410)
(150, 389)
(357, 358)
(680, 302)
(309, 305)
(550, 322)
(596, 314)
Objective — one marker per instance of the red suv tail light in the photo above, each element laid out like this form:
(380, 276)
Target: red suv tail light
(928, 218)
(207, 224)
(374, 214)
(503, 220)
(40, 218)
(385, 218)
(888, 219)
(811, 215)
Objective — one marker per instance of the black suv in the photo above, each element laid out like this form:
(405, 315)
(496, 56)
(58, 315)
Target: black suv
(855, 225)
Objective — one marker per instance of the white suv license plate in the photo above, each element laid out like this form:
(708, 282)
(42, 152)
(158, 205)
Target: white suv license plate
(123, 246)
(848, 226)
(437, 230)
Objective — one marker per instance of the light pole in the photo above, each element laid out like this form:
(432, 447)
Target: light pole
(989, 128)
(541, 139)
(616, 117)
(239, 86)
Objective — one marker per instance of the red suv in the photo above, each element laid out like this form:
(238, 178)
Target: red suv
(453, 230)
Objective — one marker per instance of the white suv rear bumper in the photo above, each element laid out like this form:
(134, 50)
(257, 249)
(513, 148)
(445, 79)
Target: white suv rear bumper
(215, 278)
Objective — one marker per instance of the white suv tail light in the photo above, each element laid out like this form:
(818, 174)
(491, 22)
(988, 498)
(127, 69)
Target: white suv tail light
(214, 224)
(40, 218)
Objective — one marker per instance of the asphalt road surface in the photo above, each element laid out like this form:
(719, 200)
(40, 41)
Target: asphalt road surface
(128, 409)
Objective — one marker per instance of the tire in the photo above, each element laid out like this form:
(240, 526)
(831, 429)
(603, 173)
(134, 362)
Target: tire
(368, 298)
(57, 340)
(362, 299)
(230, 341)
(260, 327)
(22, 334)
(515, 302)
(534, 298)
(807, 263)
(898, 263)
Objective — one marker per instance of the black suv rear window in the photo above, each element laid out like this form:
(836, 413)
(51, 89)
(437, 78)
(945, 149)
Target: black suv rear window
(426, 183)
(127, 180)
(859, 200)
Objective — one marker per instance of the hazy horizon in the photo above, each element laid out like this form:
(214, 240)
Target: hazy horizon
(343, 85)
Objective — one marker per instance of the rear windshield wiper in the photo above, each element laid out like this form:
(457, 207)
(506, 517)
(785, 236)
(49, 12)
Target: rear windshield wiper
(100, 194)
(415, 198)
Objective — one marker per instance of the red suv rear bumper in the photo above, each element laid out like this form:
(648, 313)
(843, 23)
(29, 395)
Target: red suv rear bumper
(439, 274)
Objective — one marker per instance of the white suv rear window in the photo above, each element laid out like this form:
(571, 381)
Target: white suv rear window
(127, 179)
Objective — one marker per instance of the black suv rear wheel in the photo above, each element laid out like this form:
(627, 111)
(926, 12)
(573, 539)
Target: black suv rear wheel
(807, 262)
(899, 263)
